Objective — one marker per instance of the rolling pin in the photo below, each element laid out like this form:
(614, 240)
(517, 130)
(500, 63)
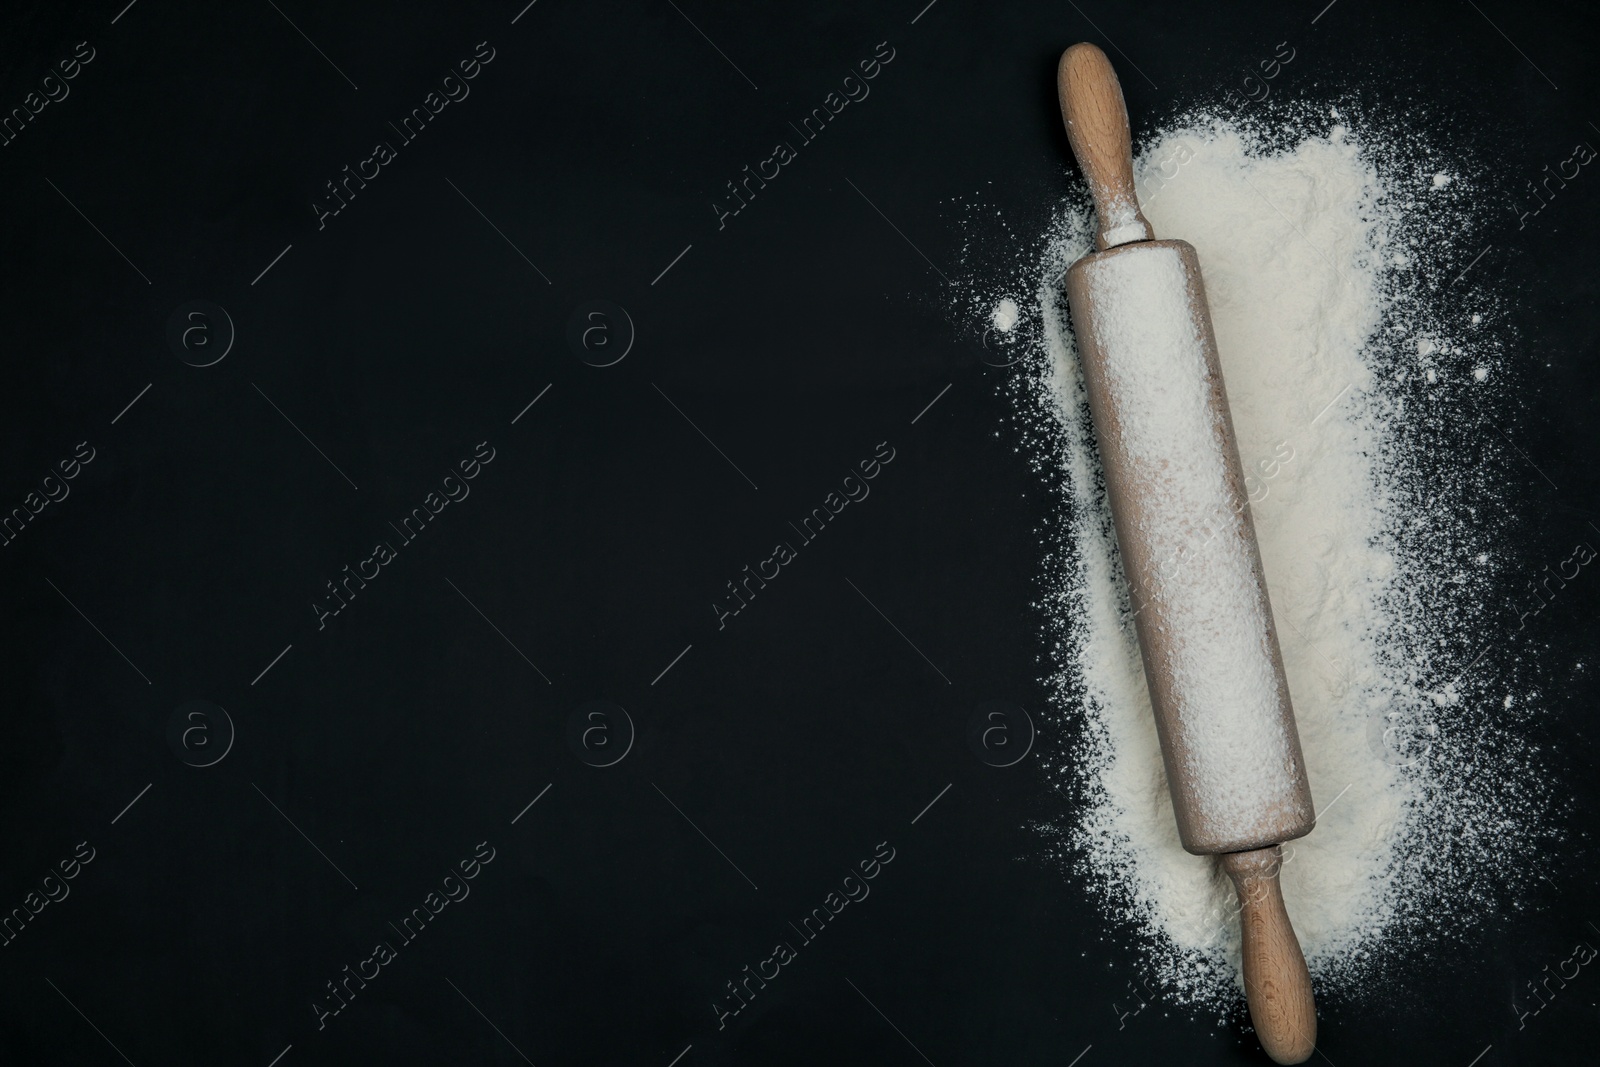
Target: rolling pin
(1176, 490)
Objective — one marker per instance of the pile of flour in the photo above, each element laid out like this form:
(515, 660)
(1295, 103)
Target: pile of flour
(1350, 362)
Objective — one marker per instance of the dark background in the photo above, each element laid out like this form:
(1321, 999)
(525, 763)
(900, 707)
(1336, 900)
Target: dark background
(808, 330)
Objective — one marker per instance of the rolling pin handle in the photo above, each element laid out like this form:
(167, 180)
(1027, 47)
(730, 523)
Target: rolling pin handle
(1097, 127)
(1277, 984)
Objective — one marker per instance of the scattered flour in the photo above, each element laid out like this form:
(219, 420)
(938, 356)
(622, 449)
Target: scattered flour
(1292, 313)
(1374, 483)
(1004, 317)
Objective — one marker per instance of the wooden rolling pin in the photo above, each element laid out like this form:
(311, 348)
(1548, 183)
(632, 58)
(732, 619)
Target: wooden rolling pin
(1176, 490)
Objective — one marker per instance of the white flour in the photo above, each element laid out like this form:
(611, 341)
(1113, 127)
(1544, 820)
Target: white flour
(1004, 316)
(1356, 382)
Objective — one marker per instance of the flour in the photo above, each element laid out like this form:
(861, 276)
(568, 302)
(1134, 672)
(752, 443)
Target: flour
(1292, 314)
(1352, 377)
(1004, 316)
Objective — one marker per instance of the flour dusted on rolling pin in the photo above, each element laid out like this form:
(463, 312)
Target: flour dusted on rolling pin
(1202, 592)
(1124, 225)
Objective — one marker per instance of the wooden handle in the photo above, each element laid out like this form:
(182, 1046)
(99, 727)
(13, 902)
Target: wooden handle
(1097, 127)
(1276, 982)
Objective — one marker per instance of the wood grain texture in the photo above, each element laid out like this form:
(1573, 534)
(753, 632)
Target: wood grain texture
(1276, 982)
(1132, 510)
(1097, 127)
